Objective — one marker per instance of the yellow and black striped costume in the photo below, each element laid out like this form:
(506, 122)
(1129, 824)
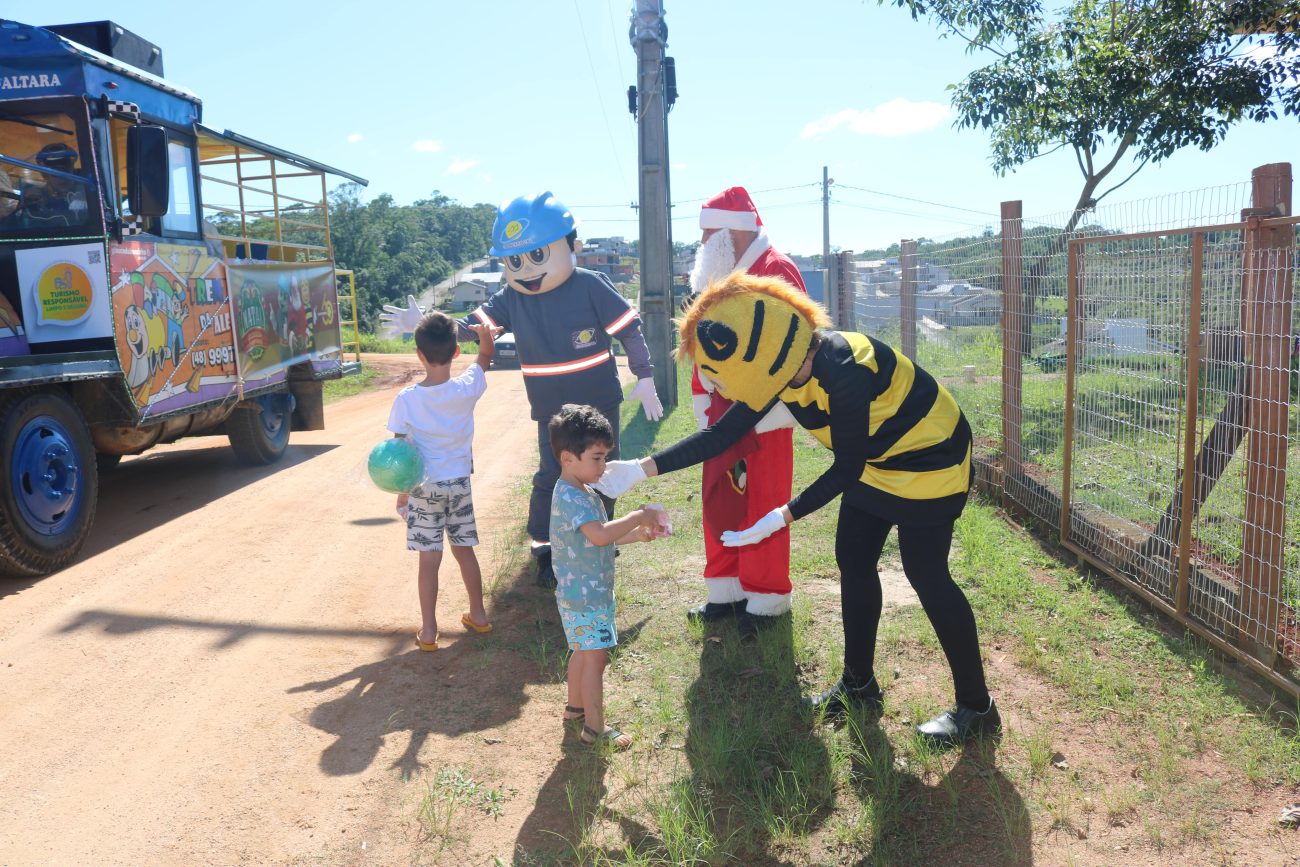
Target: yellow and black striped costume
(902, 446)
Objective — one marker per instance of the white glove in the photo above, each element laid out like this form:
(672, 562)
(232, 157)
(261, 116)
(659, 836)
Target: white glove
(618, 477)
(395, 321)
(644, 391)
(700, 406)
(766, 526)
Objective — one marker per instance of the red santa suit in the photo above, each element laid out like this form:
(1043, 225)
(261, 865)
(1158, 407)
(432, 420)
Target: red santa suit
(753, 477)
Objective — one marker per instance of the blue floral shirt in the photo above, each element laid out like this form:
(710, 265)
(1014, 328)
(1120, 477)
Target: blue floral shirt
(584, 573)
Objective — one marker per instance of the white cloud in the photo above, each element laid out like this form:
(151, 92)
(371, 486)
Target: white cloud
(459, 165)
(355, 137)
(894, 118)
(427, 145)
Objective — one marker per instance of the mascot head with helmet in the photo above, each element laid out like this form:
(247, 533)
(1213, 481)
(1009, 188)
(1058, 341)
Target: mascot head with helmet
(534, 237)
(750, 335)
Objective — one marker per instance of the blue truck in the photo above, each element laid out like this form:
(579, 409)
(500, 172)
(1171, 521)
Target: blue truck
(159, 279)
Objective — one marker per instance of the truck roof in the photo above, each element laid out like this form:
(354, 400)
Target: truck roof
(36, 62)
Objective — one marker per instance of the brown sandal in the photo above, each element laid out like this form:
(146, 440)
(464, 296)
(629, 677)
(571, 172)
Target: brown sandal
(615, 738)
(581, 714)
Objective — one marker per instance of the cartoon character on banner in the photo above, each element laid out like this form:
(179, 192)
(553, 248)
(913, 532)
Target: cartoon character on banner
(298, 318)
(564, 319)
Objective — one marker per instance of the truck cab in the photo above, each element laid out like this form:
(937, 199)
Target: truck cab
(158, 279)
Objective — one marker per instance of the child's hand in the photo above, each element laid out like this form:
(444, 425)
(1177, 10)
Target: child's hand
(663, 525)
(485, 336)
(402, 506)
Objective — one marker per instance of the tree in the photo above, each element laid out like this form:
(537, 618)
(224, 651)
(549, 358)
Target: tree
(1107, 80)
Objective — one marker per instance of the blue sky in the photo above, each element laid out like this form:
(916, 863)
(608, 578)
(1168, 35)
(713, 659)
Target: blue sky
(486, 101)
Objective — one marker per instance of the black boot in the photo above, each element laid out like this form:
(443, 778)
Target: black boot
(749, 625)
(960, 724)
(545, 574)
(713, 611)
(836, 702)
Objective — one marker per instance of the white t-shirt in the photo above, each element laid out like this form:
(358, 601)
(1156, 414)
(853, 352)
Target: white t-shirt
(439, 419)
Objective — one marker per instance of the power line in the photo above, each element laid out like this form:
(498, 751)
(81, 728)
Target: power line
(618, 165)
(944, 220)
(919, 201)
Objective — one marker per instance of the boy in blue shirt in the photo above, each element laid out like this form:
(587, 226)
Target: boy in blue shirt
(582, 552)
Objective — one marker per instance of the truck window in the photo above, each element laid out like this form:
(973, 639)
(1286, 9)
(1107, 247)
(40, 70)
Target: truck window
(181, 216)
(46, 182)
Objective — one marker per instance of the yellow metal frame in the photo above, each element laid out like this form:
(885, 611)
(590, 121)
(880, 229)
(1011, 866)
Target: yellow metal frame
(352, 344)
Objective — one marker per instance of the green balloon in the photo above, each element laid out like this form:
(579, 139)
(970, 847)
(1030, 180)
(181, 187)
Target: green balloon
(395, 466)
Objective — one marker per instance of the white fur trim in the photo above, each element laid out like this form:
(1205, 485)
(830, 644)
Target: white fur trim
(699, 406)
(724, 590)
(767, 604)
(716, 218)
(756, 248)
(777, 417)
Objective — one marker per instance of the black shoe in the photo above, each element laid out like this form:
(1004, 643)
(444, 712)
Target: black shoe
(960, 724)
(836, 702)
(711, 611)
(545, 574)
(749, 625)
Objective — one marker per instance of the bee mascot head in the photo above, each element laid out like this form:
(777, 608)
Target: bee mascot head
(534, 236)
(750, 335)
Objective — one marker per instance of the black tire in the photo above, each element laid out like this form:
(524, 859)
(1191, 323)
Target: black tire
(49, 484)
(259, 430)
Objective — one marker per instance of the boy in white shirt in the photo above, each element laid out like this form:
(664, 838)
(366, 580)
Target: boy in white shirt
(437, 415)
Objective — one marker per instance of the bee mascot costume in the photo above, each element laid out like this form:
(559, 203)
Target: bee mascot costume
(565, 320)
(902, 457)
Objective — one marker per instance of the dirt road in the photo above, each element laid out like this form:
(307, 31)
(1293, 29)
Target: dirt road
(193, 689)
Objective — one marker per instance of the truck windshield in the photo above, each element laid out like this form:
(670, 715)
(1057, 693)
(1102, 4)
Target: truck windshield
(45, 184)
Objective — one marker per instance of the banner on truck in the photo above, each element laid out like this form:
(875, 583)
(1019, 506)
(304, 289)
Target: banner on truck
(285, 313)
(62, 290)
(174, 325)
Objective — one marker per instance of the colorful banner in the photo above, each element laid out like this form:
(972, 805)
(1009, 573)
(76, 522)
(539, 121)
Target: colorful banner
(174, 324)
(63, 291)
(285, 313)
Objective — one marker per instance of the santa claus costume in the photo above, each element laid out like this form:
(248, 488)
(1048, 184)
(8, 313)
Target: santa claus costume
(753, 476)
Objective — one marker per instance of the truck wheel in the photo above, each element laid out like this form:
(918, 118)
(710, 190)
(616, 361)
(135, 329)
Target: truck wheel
(259, 434)
(50, 483)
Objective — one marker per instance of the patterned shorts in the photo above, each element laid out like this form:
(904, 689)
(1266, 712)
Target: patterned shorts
(440, 506)
(589, 630)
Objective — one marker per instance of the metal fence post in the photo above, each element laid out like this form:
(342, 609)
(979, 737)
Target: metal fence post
(1268, 310)
(907, 299)
(1012, 359)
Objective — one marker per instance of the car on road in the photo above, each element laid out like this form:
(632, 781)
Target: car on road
(505, 354)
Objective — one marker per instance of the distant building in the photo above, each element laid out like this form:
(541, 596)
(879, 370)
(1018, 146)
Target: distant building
(606, 256)
(475, 289)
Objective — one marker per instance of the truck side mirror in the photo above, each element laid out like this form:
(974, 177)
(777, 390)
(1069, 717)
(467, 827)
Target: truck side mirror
(147, 170)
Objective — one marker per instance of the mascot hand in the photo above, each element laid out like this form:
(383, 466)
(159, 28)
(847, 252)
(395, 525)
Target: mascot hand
(619, 476)
(766, 526)
(700, 406)
(395, 321)
(644, 391)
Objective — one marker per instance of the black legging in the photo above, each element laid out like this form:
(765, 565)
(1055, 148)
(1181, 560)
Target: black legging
(859, 539)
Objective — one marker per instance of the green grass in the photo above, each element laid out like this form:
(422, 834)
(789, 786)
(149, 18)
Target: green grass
(727, 768)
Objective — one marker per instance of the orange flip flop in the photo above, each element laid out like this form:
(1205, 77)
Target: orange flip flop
(470, 624)
(426, 645)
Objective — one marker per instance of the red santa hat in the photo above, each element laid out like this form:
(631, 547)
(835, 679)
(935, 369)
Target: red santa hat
(730, 209)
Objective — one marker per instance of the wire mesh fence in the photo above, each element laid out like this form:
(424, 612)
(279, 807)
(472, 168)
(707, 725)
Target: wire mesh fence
(1130, 377)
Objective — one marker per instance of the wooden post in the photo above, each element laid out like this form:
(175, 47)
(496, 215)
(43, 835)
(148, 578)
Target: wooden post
(1012, 359)
(1268, 305)
(844, 290)
(907, 299)
(1192, 356)
(1073, 336)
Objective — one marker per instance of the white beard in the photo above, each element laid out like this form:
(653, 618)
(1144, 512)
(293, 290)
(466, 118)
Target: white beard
(715, 259)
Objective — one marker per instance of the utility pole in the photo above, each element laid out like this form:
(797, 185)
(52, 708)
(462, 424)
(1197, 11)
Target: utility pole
(649, 36)
(832, 301)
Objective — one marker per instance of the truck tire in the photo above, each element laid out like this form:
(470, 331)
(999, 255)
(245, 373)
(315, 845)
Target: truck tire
(49, 486)
(259, 434)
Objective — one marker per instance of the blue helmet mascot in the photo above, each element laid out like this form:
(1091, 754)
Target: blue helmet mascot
(564, 319)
